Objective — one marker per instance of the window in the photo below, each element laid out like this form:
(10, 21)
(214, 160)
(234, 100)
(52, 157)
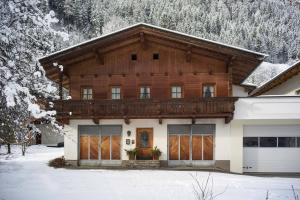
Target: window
(155, 56)
(298, 141)
(133, 57)
(86, 93)
(286, 142)
(268, 142)
(176, 92)
(208, 90)
(145, 92)
(250, 141)
(115, 93)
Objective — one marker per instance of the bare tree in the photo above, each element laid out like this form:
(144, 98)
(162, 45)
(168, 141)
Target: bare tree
(204, 189)
(296, 196)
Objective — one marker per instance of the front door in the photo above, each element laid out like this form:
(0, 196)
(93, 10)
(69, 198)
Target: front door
(144, 143)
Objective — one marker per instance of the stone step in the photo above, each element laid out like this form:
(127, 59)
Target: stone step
(141, 163)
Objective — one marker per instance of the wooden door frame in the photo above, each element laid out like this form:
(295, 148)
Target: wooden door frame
(137, 133)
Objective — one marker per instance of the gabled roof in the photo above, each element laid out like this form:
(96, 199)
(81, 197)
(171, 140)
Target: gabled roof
(155, 27)
(278, 79)
(243, 61)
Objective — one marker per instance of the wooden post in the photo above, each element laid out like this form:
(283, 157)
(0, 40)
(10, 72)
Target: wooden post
(229, 71)
(61, 77)
(230, 81)
(188, 53)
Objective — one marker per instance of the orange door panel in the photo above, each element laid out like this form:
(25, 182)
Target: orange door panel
(94, 140)
(84, 147)
(208, 147)
(105, 147)
(173, 147)
(184, 147)
(115, 147)
(197, 147)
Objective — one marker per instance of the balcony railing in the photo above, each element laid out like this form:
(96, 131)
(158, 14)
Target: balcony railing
(119, 109)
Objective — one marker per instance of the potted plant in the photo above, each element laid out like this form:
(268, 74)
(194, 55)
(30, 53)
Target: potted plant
(156, 153)
(131, 153)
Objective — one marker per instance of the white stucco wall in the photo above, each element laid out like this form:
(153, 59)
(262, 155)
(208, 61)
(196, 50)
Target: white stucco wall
(239, 91)
(160, 137)
(286, 88)
(49, 136)
(267, 108)
(259, 111)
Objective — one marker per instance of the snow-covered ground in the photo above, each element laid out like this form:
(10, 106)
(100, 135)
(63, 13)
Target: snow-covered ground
(31, 178)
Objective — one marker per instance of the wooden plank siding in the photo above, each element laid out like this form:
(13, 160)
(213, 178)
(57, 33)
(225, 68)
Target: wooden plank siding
(170, 69)
(183, 61)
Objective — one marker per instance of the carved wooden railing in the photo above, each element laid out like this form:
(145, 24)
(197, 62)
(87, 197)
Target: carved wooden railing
(173, 108)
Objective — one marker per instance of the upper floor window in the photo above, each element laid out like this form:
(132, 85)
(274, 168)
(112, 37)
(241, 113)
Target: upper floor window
(86, 93)
(208, 90)
(156, 56)
(176, 92)
(115, 93)
(133, 57)
(145, 92)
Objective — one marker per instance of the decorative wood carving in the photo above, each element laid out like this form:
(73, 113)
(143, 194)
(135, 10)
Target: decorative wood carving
(219, 107)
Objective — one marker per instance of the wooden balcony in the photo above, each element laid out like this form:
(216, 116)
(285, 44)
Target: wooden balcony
(218, 107)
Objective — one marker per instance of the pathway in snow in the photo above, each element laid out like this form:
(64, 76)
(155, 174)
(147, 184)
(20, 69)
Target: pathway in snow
(31, 178)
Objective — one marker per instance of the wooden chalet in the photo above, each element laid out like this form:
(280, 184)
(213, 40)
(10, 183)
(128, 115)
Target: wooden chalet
(147, 81)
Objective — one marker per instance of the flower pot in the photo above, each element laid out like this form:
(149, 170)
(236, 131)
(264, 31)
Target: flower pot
(131, 157)
(155, 157)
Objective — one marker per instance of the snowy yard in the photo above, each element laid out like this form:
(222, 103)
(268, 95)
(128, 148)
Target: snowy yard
(31, 178)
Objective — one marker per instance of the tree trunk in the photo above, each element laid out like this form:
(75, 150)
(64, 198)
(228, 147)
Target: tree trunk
(8, 148)
(23, 148)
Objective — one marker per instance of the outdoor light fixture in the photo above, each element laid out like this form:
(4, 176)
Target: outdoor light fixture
(128, 133)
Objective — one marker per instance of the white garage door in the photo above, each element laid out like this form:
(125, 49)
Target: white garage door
(271, 148)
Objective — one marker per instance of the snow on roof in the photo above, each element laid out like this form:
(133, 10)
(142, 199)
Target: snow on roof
(155, 27)
(275, 77)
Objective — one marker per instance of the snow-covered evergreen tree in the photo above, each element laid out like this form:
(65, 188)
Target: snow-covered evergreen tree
(25, 35)
(267, 26)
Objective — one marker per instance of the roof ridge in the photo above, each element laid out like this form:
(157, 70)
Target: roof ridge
(156, 27)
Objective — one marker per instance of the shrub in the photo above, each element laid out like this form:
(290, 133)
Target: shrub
(57, 162)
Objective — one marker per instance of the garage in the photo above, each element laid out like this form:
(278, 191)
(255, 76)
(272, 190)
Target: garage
(271, 148)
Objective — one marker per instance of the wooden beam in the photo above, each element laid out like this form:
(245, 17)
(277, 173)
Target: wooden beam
(160, 120)
(193, 120)
(96, 120)
(182, 46)
(189, 53)
(99, 58)
(143, 41)
(127, 120)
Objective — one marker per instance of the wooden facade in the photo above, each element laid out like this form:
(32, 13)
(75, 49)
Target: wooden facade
(148, 56)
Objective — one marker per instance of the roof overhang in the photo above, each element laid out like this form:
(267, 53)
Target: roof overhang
(242, 61)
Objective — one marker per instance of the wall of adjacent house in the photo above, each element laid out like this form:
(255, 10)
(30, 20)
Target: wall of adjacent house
(267, 108)
(288, 87)
(49, 135)
(160, 135)
(239, 91)
(259, 111)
